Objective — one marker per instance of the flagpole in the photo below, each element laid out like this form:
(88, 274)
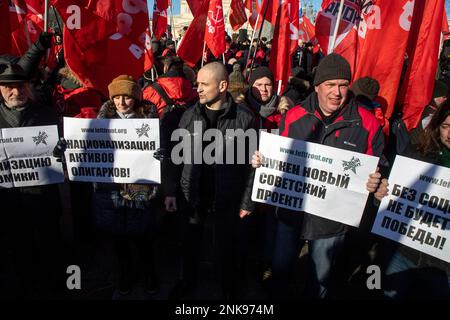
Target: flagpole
(203, 54)
(259, 35)
(46, 15)
(336, 27)
(171, 24)
(253, 37)
(57, 20)
(279, 87)
(150, 31)
(47, 53)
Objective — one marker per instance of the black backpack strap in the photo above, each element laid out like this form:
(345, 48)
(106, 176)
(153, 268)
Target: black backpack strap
(162, 93)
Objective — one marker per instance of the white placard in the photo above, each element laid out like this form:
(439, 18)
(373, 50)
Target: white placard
(321, 180)
(112, 150)
(26, 157)
(416, 212)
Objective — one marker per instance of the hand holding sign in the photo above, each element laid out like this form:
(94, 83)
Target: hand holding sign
(374, 181)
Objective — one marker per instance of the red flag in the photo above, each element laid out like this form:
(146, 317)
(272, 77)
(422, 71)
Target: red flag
(444, 27)
(191, 46)
(423, 50)
(195, 6)
(237, 14)
(26, 23)
(100, 35)
(5, 28)
(253, 7)
(215, 28)
(271, 10)
(159, 22)
(346, 39)
(285, 39)
(306, 30)
(384, 35)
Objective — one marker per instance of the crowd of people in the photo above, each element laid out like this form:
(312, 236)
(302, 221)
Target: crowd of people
(237, 91)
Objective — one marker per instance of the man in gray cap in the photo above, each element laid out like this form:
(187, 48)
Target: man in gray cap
(329, 117)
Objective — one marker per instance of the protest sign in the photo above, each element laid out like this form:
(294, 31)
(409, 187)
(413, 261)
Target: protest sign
(116, 150)
(416, 211)
(26, 157)
(321, 180)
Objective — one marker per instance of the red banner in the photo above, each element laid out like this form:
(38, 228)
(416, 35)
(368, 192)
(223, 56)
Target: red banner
(253, 7)
(26, 23)
(191, 46)
(159, 21)
(423, 49)
(5, 28)
(384, 35)
(215, 28)
(306, 31)
(99, 36)
(237, 14)
(346, 38)
(195, 6)
(285, 42)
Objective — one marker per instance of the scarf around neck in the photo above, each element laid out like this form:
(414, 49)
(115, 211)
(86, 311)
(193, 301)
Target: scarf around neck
(264, 109)
(13, 116)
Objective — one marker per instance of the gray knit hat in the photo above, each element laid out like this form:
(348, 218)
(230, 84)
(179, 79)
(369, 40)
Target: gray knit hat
(333, 66)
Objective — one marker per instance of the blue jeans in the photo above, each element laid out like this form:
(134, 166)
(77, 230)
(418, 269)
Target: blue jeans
(322, 258)
(404, 279)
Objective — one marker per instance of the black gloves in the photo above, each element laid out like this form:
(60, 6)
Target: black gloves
(160, 154)
(45, 40)
(58, 152)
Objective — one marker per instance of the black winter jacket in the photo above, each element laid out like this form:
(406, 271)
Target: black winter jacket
(354, 129)
(233, 182)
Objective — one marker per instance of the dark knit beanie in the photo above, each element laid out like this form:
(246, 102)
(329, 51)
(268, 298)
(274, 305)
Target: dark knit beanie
(124, 85)
(367, 87)
(236, 76)
(332, 67)
(259, 73)
(440, 89)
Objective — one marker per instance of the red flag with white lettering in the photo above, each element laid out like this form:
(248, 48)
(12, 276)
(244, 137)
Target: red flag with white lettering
(100, 35)
(423, 50)
(284, 42)
(191, 46)
(5, 28)
(215, 28)
(237, 14)
(159, 22)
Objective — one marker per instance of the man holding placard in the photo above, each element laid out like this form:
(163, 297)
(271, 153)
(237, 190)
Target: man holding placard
(329, 116)
(30, 210)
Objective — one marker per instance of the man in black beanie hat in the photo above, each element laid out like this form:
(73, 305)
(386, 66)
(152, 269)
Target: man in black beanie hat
(326, 117)
(267, 106)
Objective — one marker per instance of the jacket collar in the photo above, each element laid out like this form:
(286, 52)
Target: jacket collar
(230, 108)
(348, 112)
